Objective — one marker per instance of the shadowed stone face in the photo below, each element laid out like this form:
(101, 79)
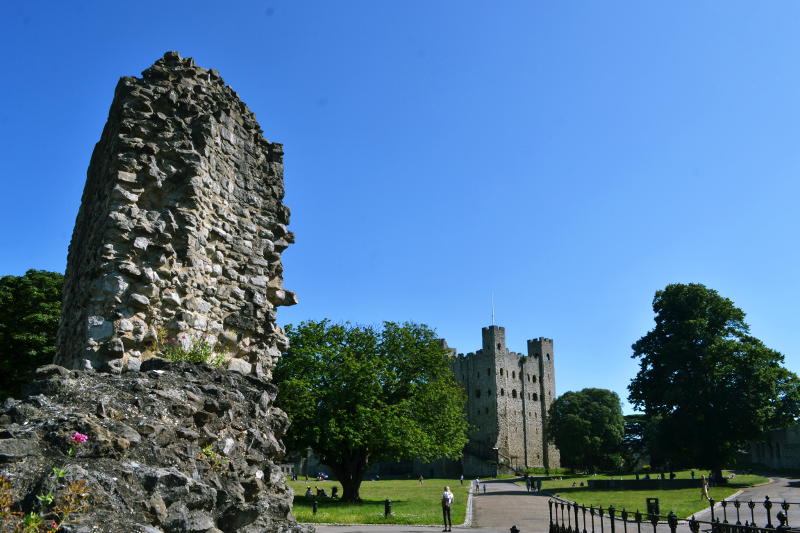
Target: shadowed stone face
(180, 229)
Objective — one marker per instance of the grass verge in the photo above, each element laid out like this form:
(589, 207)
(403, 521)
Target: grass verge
(683, 502)
(412, 503)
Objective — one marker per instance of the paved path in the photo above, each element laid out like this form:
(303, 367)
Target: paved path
(779, 489)
(507, 503)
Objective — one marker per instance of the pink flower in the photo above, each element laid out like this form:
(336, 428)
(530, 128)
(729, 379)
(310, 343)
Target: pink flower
(79, 438)
(53, 525)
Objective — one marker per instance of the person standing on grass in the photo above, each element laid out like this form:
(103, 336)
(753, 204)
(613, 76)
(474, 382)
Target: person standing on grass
(704, 488)
(461, 479)
(447, 502)
(421, 479)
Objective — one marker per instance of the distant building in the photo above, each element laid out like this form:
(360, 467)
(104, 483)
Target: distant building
(780, 449)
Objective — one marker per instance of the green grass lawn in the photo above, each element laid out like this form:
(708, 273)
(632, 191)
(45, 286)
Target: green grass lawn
(683, 502)
(412, 503)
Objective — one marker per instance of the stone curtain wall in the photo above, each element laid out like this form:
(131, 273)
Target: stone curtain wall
(180, 229)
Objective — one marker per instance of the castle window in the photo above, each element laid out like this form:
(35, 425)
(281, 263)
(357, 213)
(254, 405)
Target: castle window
(514, 393)
(513, 374)
(477, 393)
(501, 371)
(535, 396)
(498, 345)
(502, 392)
(534, 379)
(548, 357)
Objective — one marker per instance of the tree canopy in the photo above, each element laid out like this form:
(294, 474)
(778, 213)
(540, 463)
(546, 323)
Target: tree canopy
(587, 426)
(30, 309)
(711, 386)
(357, 394)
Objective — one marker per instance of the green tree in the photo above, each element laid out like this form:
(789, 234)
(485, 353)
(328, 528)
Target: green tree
(712, 386)
(30, 308)
(587, 426)
(357, 395)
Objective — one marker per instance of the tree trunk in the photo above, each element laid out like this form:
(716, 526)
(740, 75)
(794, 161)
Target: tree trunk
(718, 479)
(349, 472)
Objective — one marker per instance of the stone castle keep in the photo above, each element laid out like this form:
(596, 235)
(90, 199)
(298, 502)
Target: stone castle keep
(508, 395)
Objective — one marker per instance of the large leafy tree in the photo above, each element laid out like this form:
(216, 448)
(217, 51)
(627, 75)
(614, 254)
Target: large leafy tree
(588, 427)
(30, 308)
(710, 384)
(357, 395)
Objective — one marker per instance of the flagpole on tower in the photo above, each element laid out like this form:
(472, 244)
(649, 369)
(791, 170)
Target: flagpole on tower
(493, 308)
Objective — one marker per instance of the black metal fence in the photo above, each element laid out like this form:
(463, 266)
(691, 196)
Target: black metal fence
(731, 516)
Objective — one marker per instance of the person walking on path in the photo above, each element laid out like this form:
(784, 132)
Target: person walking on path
(447, 502)
(421, 479)
(461, 479)
(704, 488)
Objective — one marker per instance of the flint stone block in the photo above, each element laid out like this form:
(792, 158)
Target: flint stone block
(13, 449)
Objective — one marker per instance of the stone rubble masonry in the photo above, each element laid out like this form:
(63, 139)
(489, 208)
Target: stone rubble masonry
(180, 229)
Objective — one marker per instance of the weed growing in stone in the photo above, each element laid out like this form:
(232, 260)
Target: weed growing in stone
(185, 349)
(72, 500)
(214, 459)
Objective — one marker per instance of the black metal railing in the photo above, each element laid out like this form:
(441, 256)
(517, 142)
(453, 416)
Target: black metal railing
(751, 517)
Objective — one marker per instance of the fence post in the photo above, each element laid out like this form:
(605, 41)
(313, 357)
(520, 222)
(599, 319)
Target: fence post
(638, 518)
(724, 511)
(591, 513)
(600, 514)
(550, 506)
(672, 520)
(569, 519)
(624, 515)
(611, 515)
(751, 505)
(768, 506)
(694, 525)
(583, 507)
(711, 503)
(737, 503)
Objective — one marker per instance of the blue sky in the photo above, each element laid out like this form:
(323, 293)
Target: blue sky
(569, 157)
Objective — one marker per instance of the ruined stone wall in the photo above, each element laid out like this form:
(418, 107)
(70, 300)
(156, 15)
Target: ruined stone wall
(180, 229)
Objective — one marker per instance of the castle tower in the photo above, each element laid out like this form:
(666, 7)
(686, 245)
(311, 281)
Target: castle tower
(508, 394)
(541, 351)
